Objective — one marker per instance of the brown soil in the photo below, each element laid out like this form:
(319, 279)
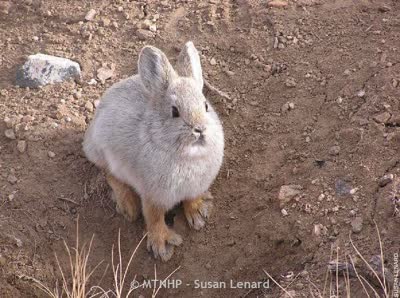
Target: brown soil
(319, 55)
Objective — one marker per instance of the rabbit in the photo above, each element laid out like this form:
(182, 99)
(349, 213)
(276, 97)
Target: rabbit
(160, 143)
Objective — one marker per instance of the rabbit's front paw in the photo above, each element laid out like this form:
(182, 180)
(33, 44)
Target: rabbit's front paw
(161, 242)
(197, 210)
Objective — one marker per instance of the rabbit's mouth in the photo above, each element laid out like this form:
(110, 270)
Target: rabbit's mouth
(201, 141)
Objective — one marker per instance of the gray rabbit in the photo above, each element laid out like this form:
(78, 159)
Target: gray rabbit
(160, 142)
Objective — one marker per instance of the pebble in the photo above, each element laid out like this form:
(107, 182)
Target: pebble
(12, 179)
(21, 146)
(347, 72)
(284, 212)
(382, 118)
(208, 266)
(18, 242)
(213, 61)
(104, 73)
(8, 122)
(385, 180)
(89, 106)
(290, 82)
(9, 133)
(288, 193)
(334, 150)
(361, 93)
(96, 103)
(277, 3)
(287, 107)
(143, 34)
(90, 15)
(51, 154)
(153, 28)
(395, 83)
(77, 94)
(357, 225)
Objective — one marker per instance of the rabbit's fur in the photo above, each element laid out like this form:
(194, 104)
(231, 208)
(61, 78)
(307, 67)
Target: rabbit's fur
(136, 139)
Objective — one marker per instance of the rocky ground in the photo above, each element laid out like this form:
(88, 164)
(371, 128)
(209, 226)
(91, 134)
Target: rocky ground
(312, 128)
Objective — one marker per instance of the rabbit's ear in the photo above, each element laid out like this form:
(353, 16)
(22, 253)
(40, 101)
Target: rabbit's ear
(155, 70)
(188, 64)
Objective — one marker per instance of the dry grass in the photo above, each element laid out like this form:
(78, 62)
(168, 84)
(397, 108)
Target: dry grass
(348, 271)
(75, 281)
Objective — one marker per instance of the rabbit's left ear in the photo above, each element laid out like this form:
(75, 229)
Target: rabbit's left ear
(188, 64)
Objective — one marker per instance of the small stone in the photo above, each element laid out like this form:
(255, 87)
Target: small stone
(51, 154)
(334, 150)
(9, 133)
(35, 38)
(284, 212)
(105, 73)
(277, 3)
(77, 94)
(321, 197)
(120, 8)
(382, 118)
(92, 82)
(347, 72)
(11, 197)
(21, 146)
(208, 266)
(106, 22)
(287, 107)
(18, 242)
(290, 82)
(213, 61)
(89, 106)
(12, 179)
(143, 34)
(54, 125)
(357, 225)
(41, 69)
(385, 180)
(96, 103)
(384, 8)
(153, 28)
(288, 193)
(361, 93)
(90, 15)
(27, 119)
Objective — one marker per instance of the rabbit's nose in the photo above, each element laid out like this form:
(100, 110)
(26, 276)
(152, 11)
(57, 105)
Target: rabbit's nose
(199, 130)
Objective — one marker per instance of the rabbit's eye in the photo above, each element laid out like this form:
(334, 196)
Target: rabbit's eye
(206, 104)
(175, 112)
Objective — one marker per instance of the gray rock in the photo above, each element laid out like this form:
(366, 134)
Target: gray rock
(9, 133)
(41, 69)
(385, 180)
(342, 188)
(288, 193)
(21, 146)
(143, 34)
(357, 225)
(334, 150)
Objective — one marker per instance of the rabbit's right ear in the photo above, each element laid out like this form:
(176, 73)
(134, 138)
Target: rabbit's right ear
(188, 64)
(155, 70)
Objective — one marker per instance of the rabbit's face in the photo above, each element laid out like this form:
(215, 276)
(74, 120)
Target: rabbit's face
(191, 116)
(180, 118)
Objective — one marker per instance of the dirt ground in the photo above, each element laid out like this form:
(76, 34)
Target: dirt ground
(314, 93)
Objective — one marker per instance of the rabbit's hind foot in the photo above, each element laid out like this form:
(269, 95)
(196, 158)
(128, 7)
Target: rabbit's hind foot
(128, 202)
(197, 210)
(161, 240)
